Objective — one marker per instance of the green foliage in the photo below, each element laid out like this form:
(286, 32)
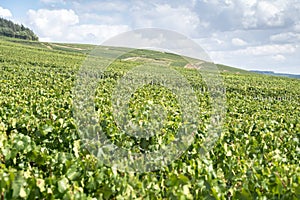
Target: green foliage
(42, 156)
(10, 29)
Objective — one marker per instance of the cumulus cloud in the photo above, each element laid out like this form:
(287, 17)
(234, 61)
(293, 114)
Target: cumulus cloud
(247, 55)
(263, 13)
(251, 14)
(91, 6)
(287, 63)
(297, 27)
(101, 19)
(92, 33)
(238, 42)
(52, 23)
(279, 58)
(286, 37)
(180, 19)
(63, 25)
(53, 1)
(136, 39)
(5, 13)
(267, 50)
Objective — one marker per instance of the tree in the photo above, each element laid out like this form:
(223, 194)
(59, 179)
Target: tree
(10, 29)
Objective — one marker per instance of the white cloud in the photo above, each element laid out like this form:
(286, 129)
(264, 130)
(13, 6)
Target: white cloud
(91, 33)
(276, 62)
(52, 23)
(297, 27)
(5, 13)
(53, 1)
(279, 58)
(218, 41)
(263, 13)
(250, 3)
(63, 26)
(270, 14)
(251, 52)
(90, 6)
(136, 39)
(250, 14)
(267, 50)
(286, 37)
(238, 42)
(180, 19)
(102, 19)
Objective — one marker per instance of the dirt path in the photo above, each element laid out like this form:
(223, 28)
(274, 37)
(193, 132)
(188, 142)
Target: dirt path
(149, 60)
(67, 47)
(49, 47)
(191, 66)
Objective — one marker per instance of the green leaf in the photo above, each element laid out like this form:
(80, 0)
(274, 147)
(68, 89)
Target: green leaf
(23, 193)
(63, 185)
(72, 174)
(40, 184)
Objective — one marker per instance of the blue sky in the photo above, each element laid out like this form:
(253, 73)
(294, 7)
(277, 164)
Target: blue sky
(248, 34)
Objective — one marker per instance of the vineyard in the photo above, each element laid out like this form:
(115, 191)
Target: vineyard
(42, 154)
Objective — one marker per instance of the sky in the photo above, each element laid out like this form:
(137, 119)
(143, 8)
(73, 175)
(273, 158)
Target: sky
(248, 34)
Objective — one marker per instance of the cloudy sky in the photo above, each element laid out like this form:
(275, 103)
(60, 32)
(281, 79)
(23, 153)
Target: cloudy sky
(248, 34)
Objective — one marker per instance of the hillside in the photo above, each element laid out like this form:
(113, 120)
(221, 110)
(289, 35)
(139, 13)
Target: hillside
(51, 139)
(134, 55)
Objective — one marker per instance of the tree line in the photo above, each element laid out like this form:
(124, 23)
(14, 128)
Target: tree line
(10, 29)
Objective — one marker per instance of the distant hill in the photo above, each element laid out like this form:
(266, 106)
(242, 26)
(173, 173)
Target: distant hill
(136, 55)
(228, 69)
(10, 29)
(277, 74)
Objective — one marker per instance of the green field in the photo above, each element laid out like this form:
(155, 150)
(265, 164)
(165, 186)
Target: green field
(42, 155)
